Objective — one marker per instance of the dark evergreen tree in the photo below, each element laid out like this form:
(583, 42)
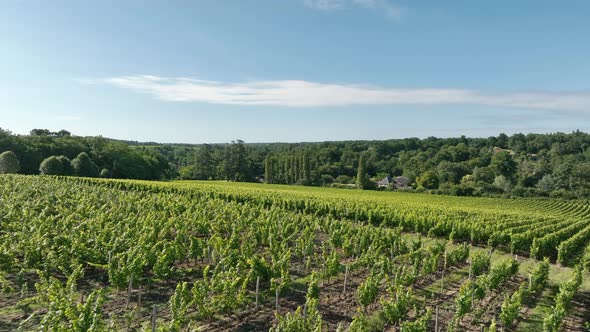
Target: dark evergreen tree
(306, 169)
(361, 174)
(268, 170)
(204, 164)
(235, 166)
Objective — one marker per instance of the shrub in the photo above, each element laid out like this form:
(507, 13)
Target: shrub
(9, 163)
(83, 166)
(67, 165)
(51, 166)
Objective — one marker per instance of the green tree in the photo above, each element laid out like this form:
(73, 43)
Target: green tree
(83, 166)
(428, 180)
(547, 183)
(503, 164)
(204, 164)
(40, 132)
(306, 169)
(503, 183)
(63, 133)
(9, 163)
(67, 165)
(562, 174)
(362, 178)
(484, 174)
(268, 170)
(187, 172)
(502, 141)
(451, 172)
(51, 166)
(581, 174)
(235, 166)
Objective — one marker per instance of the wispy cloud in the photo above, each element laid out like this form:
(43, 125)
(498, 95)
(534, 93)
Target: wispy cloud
(387, 7)
(297, 93)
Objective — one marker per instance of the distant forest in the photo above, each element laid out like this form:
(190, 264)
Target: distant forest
(555, 165)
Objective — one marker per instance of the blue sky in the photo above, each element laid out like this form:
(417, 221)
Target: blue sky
(294, 70)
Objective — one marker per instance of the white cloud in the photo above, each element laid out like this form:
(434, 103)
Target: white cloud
(385, 6)
(297, 93)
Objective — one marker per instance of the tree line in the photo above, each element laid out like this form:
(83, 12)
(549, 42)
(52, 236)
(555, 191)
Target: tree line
(556, 164)
(60, 153)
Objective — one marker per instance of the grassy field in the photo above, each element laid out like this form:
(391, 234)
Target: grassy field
(88, 254)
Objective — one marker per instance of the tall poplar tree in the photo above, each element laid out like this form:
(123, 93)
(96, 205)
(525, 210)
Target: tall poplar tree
(306, 169)
(361, 174)
(268, 170)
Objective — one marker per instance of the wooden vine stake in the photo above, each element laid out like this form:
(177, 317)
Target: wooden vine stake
(154, 317)
(345, 279)
(277, 298)
(257, 289)
(139, 300)
(436, 320)
(129, 289)
(118, 269)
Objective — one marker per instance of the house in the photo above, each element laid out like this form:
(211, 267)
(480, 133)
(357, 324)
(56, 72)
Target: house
(399, 182)
(386, 182)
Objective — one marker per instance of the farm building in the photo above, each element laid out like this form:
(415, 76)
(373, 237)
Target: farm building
(399, 182)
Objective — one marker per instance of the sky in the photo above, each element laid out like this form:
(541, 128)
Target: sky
(294, 70)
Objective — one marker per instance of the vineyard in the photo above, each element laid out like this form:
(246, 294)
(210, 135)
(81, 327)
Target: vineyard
(80, 254)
